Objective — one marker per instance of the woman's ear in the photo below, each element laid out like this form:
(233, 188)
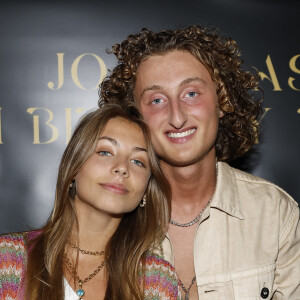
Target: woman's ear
(72, 189)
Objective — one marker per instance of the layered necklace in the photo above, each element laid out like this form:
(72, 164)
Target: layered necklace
(194, 221)
(80, 292)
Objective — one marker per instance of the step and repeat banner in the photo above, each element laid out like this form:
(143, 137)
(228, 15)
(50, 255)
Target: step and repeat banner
(53, 57)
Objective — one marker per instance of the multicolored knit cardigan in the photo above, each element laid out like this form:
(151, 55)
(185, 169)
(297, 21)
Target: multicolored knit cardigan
(13, 254)
(161, 282)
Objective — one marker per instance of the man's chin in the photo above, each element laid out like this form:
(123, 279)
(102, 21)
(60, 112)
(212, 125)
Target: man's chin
(178, 162)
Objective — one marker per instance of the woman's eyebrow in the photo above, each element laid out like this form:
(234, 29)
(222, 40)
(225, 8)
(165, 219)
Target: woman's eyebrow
(113, 141)
(134, 149)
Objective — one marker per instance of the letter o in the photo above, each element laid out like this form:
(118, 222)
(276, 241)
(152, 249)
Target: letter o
(74, 70)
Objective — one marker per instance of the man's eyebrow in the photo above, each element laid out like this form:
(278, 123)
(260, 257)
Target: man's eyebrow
(113, 141)
(154, 87)
(189, 80)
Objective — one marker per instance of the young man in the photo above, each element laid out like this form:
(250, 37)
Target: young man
(231, 235)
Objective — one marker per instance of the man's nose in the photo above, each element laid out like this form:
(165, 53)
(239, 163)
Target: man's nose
(177, 115)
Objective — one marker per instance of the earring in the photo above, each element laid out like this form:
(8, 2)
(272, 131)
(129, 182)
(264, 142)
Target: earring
(143, 202)
(72, 189)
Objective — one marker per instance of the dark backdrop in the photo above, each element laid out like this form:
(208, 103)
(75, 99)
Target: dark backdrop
(38, 36)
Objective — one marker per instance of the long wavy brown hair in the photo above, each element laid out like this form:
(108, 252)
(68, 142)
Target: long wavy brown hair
(138, 231)
(236, 88)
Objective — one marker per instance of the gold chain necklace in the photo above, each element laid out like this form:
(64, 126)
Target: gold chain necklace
(96, 253)
(80, 292)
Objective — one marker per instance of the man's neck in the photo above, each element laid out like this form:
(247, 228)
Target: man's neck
(192, 186)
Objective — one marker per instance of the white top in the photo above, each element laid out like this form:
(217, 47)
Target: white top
(69, 292)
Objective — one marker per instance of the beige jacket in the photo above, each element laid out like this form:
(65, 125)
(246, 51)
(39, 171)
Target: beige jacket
(247, 244)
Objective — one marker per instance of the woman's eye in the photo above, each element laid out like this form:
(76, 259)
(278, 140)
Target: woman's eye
(157, 101)
(104, 153)
(192, 94)
(138, 162)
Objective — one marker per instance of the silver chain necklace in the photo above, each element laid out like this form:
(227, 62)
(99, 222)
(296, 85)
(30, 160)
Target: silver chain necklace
(187, 290)
(173, 222)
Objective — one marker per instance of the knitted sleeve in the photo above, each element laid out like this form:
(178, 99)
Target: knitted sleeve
(12, 265)
(160, 279)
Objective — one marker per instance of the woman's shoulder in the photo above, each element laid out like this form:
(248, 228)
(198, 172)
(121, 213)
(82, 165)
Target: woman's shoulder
(12, 243)
(161, 281)
(12, 263)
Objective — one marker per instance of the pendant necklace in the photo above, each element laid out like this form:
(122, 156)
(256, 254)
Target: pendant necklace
(187, 290)
(80, 292)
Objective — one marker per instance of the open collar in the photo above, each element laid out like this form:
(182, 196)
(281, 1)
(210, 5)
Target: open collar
(226, 194)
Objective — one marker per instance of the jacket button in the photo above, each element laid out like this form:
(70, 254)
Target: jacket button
(264, 293)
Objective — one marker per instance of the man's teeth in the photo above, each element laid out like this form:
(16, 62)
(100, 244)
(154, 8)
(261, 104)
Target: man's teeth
(181, 134)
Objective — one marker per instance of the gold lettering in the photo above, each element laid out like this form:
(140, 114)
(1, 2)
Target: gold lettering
(266, 109)
(0, 127)
(36, 125)
(69, 121)
(60, 70)
(74, 70)
(273, 78)
(294, 69)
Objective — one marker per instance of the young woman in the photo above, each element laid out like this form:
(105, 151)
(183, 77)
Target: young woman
(110, 214)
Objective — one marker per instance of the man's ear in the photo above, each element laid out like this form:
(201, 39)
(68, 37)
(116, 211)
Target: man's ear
(221, 113)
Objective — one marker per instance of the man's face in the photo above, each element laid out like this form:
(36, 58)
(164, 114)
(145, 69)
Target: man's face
(177, 98)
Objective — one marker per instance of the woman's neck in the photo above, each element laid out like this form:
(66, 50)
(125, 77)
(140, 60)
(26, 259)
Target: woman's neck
(94, 229)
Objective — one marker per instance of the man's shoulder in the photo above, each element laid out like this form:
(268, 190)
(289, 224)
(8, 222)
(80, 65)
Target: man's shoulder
(260, 188)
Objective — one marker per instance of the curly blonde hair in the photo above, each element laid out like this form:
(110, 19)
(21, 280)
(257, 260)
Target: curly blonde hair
(236, 88)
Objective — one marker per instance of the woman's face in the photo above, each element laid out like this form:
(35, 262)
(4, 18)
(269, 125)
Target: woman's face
(115, 177)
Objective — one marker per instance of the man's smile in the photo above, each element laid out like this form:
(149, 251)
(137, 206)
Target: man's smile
(175, 135)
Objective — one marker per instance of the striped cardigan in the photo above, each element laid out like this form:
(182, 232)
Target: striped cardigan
(161, 282)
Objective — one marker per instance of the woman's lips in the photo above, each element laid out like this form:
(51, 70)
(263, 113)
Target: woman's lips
(115, 187)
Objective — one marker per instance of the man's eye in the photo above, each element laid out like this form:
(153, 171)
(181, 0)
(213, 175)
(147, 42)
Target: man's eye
(104, 153)
(157, 101)
(138, 162)
(192, 94)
